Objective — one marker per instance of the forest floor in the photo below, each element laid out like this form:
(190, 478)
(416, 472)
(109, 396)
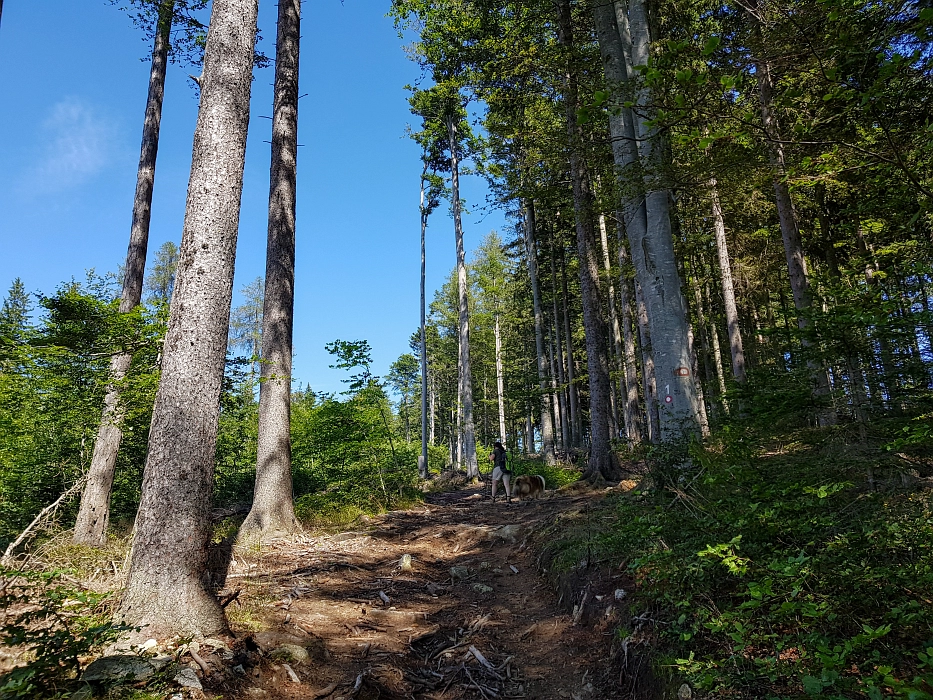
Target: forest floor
(476, 616)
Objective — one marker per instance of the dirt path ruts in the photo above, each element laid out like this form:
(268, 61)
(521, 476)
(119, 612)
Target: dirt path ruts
(473, 618)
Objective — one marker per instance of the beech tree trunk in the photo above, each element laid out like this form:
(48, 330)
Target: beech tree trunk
(728, 291)
(273, 511)
(466, 376)
(646, 214)
(94, 512)
(166, 591)
(647, 358)
(600, 465)
(547, 427)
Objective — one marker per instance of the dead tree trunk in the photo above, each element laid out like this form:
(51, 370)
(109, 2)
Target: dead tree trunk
(166, 591)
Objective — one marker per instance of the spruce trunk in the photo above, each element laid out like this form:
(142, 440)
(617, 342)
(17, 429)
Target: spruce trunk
(728, 290)
(273, 511)
(466, 376)
(600, 464)
(629, 365)
(167, 584)
(793, 246)
(94, 512)
(500, 382)
(423, 462)
(547, 426)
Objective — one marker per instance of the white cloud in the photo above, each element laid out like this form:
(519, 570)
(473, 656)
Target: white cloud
(78, 143)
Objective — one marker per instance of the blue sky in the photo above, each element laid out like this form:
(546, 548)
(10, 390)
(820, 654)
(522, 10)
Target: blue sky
(72, 95)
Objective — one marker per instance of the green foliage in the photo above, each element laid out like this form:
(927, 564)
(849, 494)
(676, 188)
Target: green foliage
(53, 626)
(53, 376)
(554, 476)
(774, 571)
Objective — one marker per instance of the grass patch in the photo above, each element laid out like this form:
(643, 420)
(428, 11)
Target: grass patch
(774, 570)
(99, 568)
(555, 476)
(334, 511)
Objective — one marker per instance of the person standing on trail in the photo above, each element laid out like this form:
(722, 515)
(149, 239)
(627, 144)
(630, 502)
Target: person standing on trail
(501, 471)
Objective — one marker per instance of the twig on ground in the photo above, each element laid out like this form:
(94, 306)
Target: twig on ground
(323, 692)
(48, 510)
(227, 599)
(485, 692)
(291, 673)
(200, 662)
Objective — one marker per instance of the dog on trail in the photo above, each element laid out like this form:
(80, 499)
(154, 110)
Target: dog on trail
(530, 485)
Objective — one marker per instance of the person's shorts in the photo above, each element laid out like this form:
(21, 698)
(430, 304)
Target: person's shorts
(499, 472)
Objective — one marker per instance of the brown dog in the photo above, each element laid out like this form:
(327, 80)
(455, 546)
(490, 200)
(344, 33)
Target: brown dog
(531, 485)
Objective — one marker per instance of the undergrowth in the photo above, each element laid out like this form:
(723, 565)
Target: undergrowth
(51, 627)
(777, 569)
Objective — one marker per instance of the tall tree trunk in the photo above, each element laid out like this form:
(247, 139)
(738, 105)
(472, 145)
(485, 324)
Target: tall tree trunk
(555, 397)
(648, 373)
(563, 398)
(630, 370)
(431, 410)
(793, 247)
(423, 462)
(94, 512)
(547, 427)
(166, 588)
(646, 215)
(573, 399)
(601, 464)
(717, 350)
(273, 511)
(500, 382)
(728, 291)
(466, 376)
(616, 330)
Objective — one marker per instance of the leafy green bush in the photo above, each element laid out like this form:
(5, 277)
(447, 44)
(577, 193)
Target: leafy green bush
(776, 572)
(554, 476)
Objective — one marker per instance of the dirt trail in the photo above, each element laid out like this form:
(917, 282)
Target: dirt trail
(473, 618)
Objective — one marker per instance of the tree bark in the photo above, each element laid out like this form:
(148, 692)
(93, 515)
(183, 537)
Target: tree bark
(728, 290)
(630, 370)
(547, 427)
(573, 399)
(500, 382)
(627, 418)
(793, 247)
(600, 464)
(648, 225)
(94, 512)
(466, 376)
(562, 398)
(166, 590)
(423, 463)
(273, 511)
(648, 374)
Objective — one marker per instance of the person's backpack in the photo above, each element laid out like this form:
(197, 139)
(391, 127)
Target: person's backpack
(507, 466)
